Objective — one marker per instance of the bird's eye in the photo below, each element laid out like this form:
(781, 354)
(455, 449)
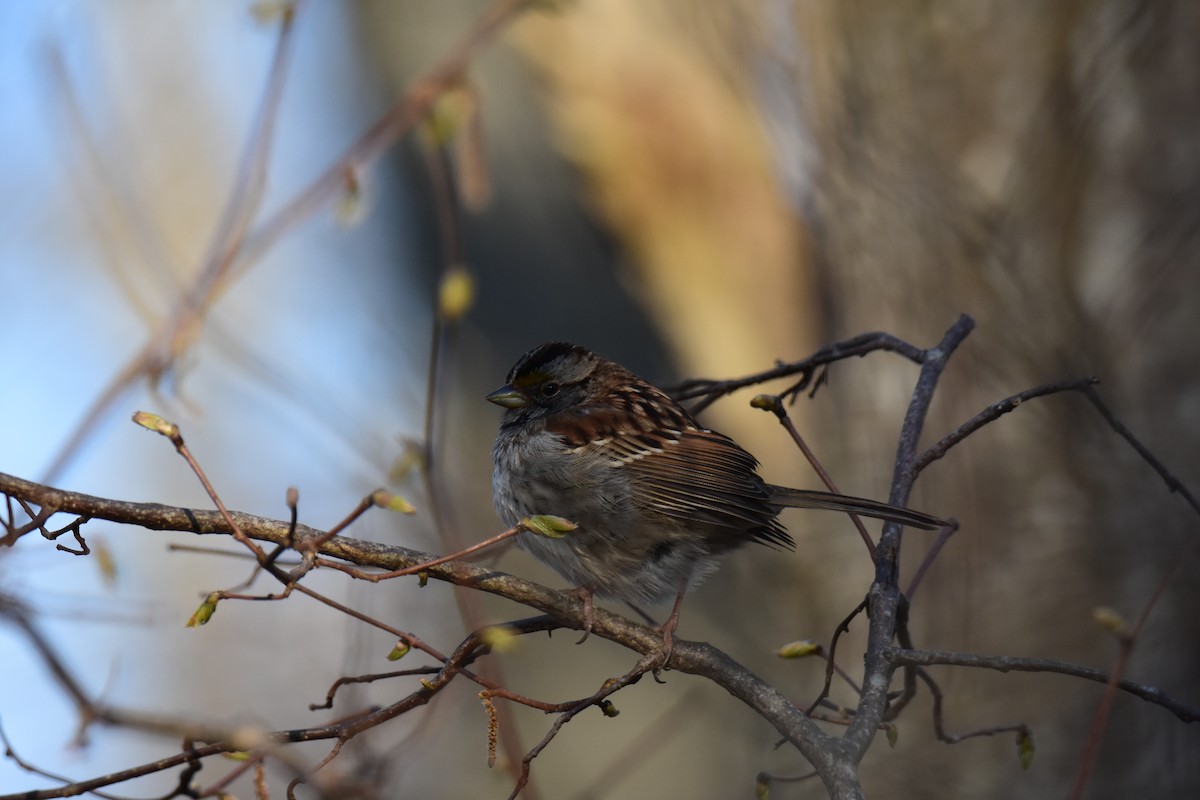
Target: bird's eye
(549, 389)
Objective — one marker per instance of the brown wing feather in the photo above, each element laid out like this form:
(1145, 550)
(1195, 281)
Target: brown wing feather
(704, 477)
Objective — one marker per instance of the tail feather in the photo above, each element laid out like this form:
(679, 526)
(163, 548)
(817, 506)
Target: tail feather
(828, 501)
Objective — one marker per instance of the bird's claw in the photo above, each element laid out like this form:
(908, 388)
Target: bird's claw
(585, 593)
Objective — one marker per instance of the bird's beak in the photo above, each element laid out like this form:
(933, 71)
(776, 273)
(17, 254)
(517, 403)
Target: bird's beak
(508, 397)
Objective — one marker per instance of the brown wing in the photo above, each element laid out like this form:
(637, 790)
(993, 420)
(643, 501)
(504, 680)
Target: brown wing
(700, 476)
(682, 470)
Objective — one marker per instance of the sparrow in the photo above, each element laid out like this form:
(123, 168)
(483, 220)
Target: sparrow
(657, 497)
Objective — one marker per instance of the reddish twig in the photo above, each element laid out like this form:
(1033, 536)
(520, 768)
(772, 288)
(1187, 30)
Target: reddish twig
(424, 566)
(843, 627)
(378, 676)
(1020, 728)
(934, 550)
(1128, 639)
(648, 663)
(774, 404)
(181, 327)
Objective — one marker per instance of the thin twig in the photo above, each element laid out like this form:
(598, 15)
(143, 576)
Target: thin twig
(1127, 640)
(1174, 485)
(708, 391)
(416, 569)
(843, 627)
(659, 734)
(1150, 694)
(444, 326)
(939, 730)
(182, 325)
(994, 412)
(648, 663)
(777, 408)
(388, 128)
(350, 680)
(934, 550)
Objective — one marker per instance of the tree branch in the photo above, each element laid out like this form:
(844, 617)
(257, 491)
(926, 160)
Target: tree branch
(900, 656)
(884, 598)
(690, 657)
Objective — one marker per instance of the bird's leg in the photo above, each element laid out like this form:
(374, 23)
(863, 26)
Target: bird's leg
(585, 593)
(668, 628)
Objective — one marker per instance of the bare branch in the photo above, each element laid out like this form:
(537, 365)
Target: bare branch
(1150, 694)
(884, 599)
(708, 391)
(994, 412)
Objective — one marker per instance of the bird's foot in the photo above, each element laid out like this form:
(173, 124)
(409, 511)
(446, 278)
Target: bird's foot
(668, 636)
(585, 593)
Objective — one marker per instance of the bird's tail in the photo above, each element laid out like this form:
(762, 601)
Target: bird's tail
(828, 501)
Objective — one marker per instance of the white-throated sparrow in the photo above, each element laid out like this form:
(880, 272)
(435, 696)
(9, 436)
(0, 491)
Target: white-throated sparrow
(657, 497)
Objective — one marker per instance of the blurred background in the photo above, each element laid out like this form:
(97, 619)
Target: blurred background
(691, 188)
